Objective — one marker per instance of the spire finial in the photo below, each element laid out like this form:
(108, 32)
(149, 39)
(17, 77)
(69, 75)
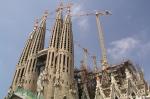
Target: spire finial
(60, 6)
(69, 9)
(46, 13)
(36, 24)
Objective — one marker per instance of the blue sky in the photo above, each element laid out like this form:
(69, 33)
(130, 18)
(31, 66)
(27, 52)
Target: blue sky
(127, 31)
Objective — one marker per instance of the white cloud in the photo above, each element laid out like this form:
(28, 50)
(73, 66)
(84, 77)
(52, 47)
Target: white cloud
(145, 49)
(82, 22)
(122, 48)
(129, 47)
(76, 9)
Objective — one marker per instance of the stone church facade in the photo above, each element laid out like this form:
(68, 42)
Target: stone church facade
(49, 73)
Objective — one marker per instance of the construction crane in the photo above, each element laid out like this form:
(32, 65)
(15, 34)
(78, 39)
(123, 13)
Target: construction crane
(94, 63)
(85, 58)
(84, 79)
(85, 55)
(104, 61)
(84, 73)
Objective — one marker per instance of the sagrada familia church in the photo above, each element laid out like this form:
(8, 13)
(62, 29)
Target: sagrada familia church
(49, 73)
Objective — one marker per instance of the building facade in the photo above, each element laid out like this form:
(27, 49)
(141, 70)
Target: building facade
(49, 73)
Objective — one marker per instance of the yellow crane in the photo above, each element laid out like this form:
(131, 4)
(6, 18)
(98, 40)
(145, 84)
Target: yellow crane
(85, 55)
(104, 61)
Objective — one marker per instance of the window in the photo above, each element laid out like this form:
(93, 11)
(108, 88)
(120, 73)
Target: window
(64, 97)
(29, 81)
(30, 65)
(64, 60)
(33, 65)
(52, 97)
(52, 58)
(67, 63)
(18, 75)
(22, 72)
(60, 59)
(55, 61)
(48, 56)
(62, 81)
(116, 97)
(133, 95)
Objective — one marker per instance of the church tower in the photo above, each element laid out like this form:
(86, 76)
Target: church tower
(37, 45)
(52, 57)
(65, 64)
(20, 68)
(49, 73)
(60, 61)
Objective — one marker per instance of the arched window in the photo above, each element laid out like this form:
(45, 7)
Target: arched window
(30, 65)
(60, 59)
(52, 58)
(22, 72)
(64, 60)
(133, 95)
(64, 97)
(55, 61)
(116, 97)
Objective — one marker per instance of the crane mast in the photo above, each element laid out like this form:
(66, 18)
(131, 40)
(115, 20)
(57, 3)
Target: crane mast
(85, 55)
(85, 58)
(104, 61)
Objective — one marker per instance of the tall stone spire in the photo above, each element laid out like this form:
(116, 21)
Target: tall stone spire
(37, 45)
(20, 68)
(54, 42)
(27, 47)
(52, 54)
(65, 63)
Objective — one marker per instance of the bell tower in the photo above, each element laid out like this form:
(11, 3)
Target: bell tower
(20, 67)
(65, 64)
(37, 45)
(51, 62)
